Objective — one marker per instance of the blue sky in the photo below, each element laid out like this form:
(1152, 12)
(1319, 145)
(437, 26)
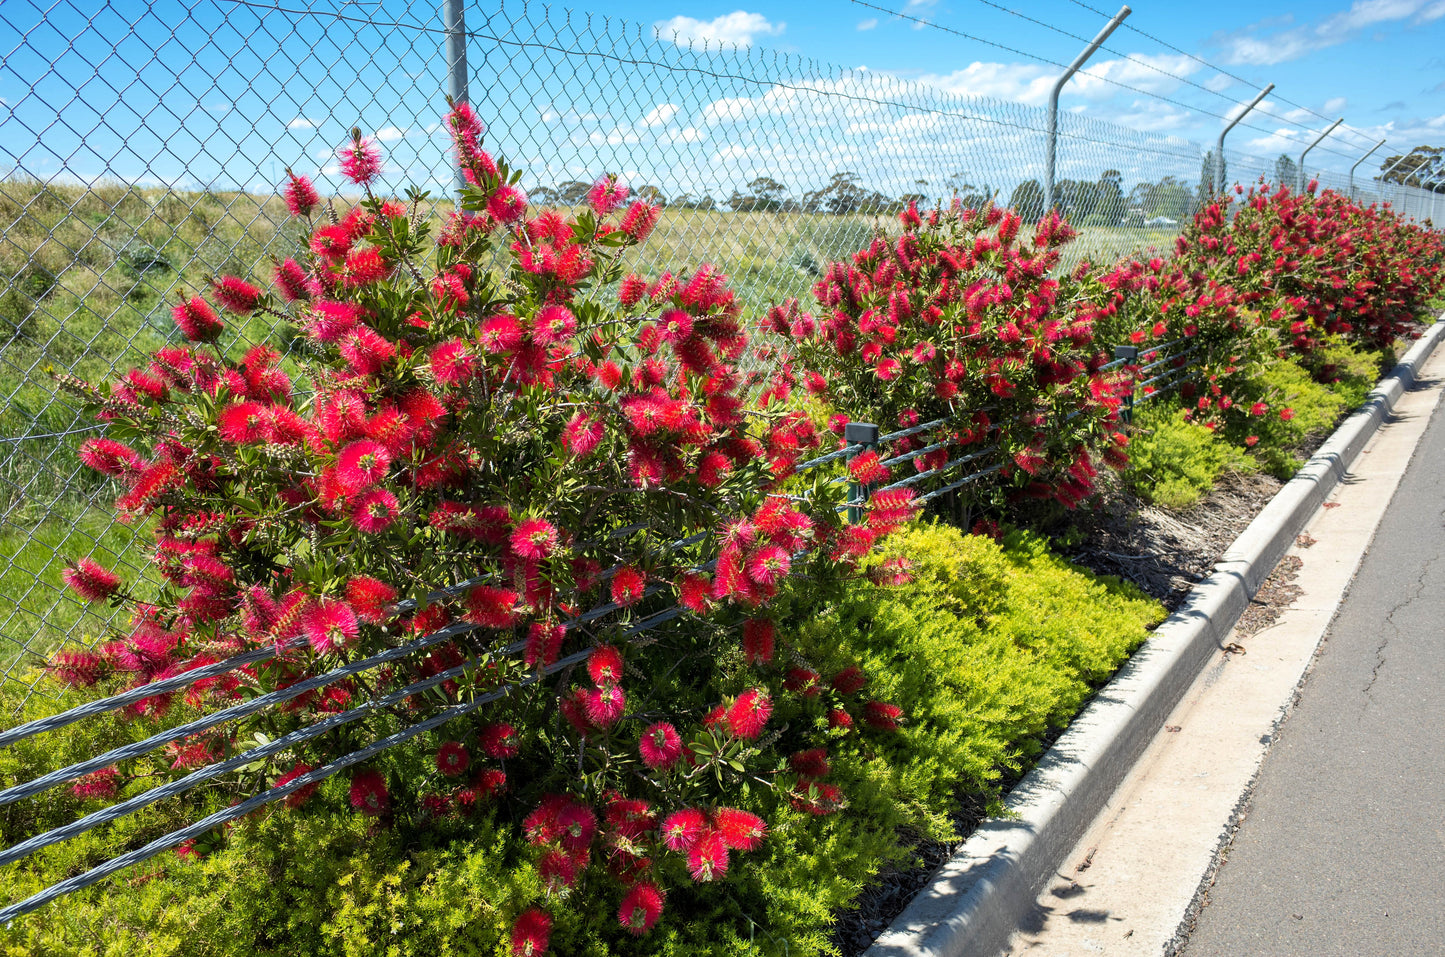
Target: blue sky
(228, 92)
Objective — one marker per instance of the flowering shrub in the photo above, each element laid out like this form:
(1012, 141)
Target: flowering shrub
(519, 474)
(958, 319)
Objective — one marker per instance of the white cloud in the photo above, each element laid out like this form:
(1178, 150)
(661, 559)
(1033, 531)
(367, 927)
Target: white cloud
(1335, 104)
(390, 134)
(872, 22)
(738, 28)
(1019, 82)
(660, 116)
(1218, 83)
(301, 123)
(1260, 45)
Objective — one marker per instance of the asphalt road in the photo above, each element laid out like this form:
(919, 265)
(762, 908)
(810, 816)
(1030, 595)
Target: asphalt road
(1342, 851)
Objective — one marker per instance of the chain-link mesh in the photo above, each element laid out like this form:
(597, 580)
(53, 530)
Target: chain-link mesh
(140, 146)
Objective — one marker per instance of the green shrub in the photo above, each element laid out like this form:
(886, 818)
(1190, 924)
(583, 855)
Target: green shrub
(1174, 462)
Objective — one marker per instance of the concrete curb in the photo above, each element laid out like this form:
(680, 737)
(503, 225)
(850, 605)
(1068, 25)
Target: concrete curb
(977, 898)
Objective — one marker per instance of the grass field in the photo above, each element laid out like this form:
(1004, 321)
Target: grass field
(89, 276)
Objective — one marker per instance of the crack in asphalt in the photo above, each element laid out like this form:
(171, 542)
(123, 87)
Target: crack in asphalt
(1416, 590)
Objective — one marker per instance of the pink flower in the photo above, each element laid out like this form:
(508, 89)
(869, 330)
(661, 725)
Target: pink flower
(368, 793)
(866, 468)
(360, 160)
(639, 220)
(236, 295)
(641, 908)
(197, 321)
(681, 830)
(508, 204)
(631, 290)
(850, 680)
(627, 586)
(553, 324)
(693, 592)
(581, 435)
(90, 581)
(707, 860)
(534, 539)
(452, 363)
(329, 624)
(374, 511)
(109, 457)
(769, 565)
(604, 706)
(500, 334)
(557, 869)
(290, 280)
(606, 195)
(98, 784)
(661, 746)
(1286, 414)
(531, 932)
(544, 643)
(491, 607)
(453, 759)
(300, 195)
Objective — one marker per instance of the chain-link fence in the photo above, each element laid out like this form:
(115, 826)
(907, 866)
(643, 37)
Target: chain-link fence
(140, 146)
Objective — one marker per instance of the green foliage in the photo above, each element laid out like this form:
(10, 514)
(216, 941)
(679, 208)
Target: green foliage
(1174, 462)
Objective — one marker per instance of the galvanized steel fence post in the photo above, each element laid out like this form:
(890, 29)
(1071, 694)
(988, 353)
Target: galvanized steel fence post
(1053, 131)
(1358, 162)
(1301, 172)
(866, 435)
(457, 61)
(1219, 146)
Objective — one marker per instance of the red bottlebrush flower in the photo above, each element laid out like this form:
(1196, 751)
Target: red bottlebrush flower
(534, 539)
(606, 195)
(98, 784)
(812, 763)
(366, 350)
(1258, 409)
(604, 706)
(453, 759)
(329, 624)
(713, 469)
(368, 793)
(749, 714)
(607, 374)
(681, 830)
(1250, 441)
(553, 324)
(187, 756)
(887, 369)
(491, 607)
(604, 666)
(360, 160)
(500, 334)
(693, 591)
(490, 782)
(707, 860)
(531, 933)
(79, 668)
(866, 468)
(544, 643)
(817, 797)
(803, 681)
(769, 565)
(236, 295)
(452, 363)
(631, 291)
(838, 718)
(661, 746)
(362, 463)
(374, 511)
(370, 598)
(364, 267)
(557, 869)
(639, 220)
(90, 581)
(627, 586)
(498, 740)
(1286, 414)
(850, 680)
(882, 715)
(740, 830)
(301, 197)
(641, 908)
(331, 242)
(758, 640)
(197, 321)
(109, 457)
(507, 204)
(302, 794)
(576, 825)
(581, 435)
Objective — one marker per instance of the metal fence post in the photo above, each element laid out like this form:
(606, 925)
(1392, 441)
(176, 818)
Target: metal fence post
(1130, 354)
(866, 435)
(457, 61)
(1053, 130)
(1219, 147)
(1301, 174)
(1358, 162)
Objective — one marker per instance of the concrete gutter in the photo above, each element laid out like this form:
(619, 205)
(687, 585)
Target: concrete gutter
(978, 897)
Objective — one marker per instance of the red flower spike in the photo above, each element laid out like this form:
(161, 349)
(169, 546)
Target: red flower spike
(197, 321)
(360, 160)
(661, 746)
(758, 640)
(850, 680)
(812, 763)
(628, 585)
(531, 933)
(368, 793)
(498, 740)
(707, 860)
(604, 666)
(301, 197)
(740, 830)
(452, 759)
(882, 715)
(90, 581)
(641, 908)
(302, 794)
(749, 714)
(803, 681)
(682, 830)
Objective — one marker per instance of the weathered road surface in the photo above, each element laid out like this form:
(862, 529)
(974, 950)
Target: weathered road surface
(1342, 851)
